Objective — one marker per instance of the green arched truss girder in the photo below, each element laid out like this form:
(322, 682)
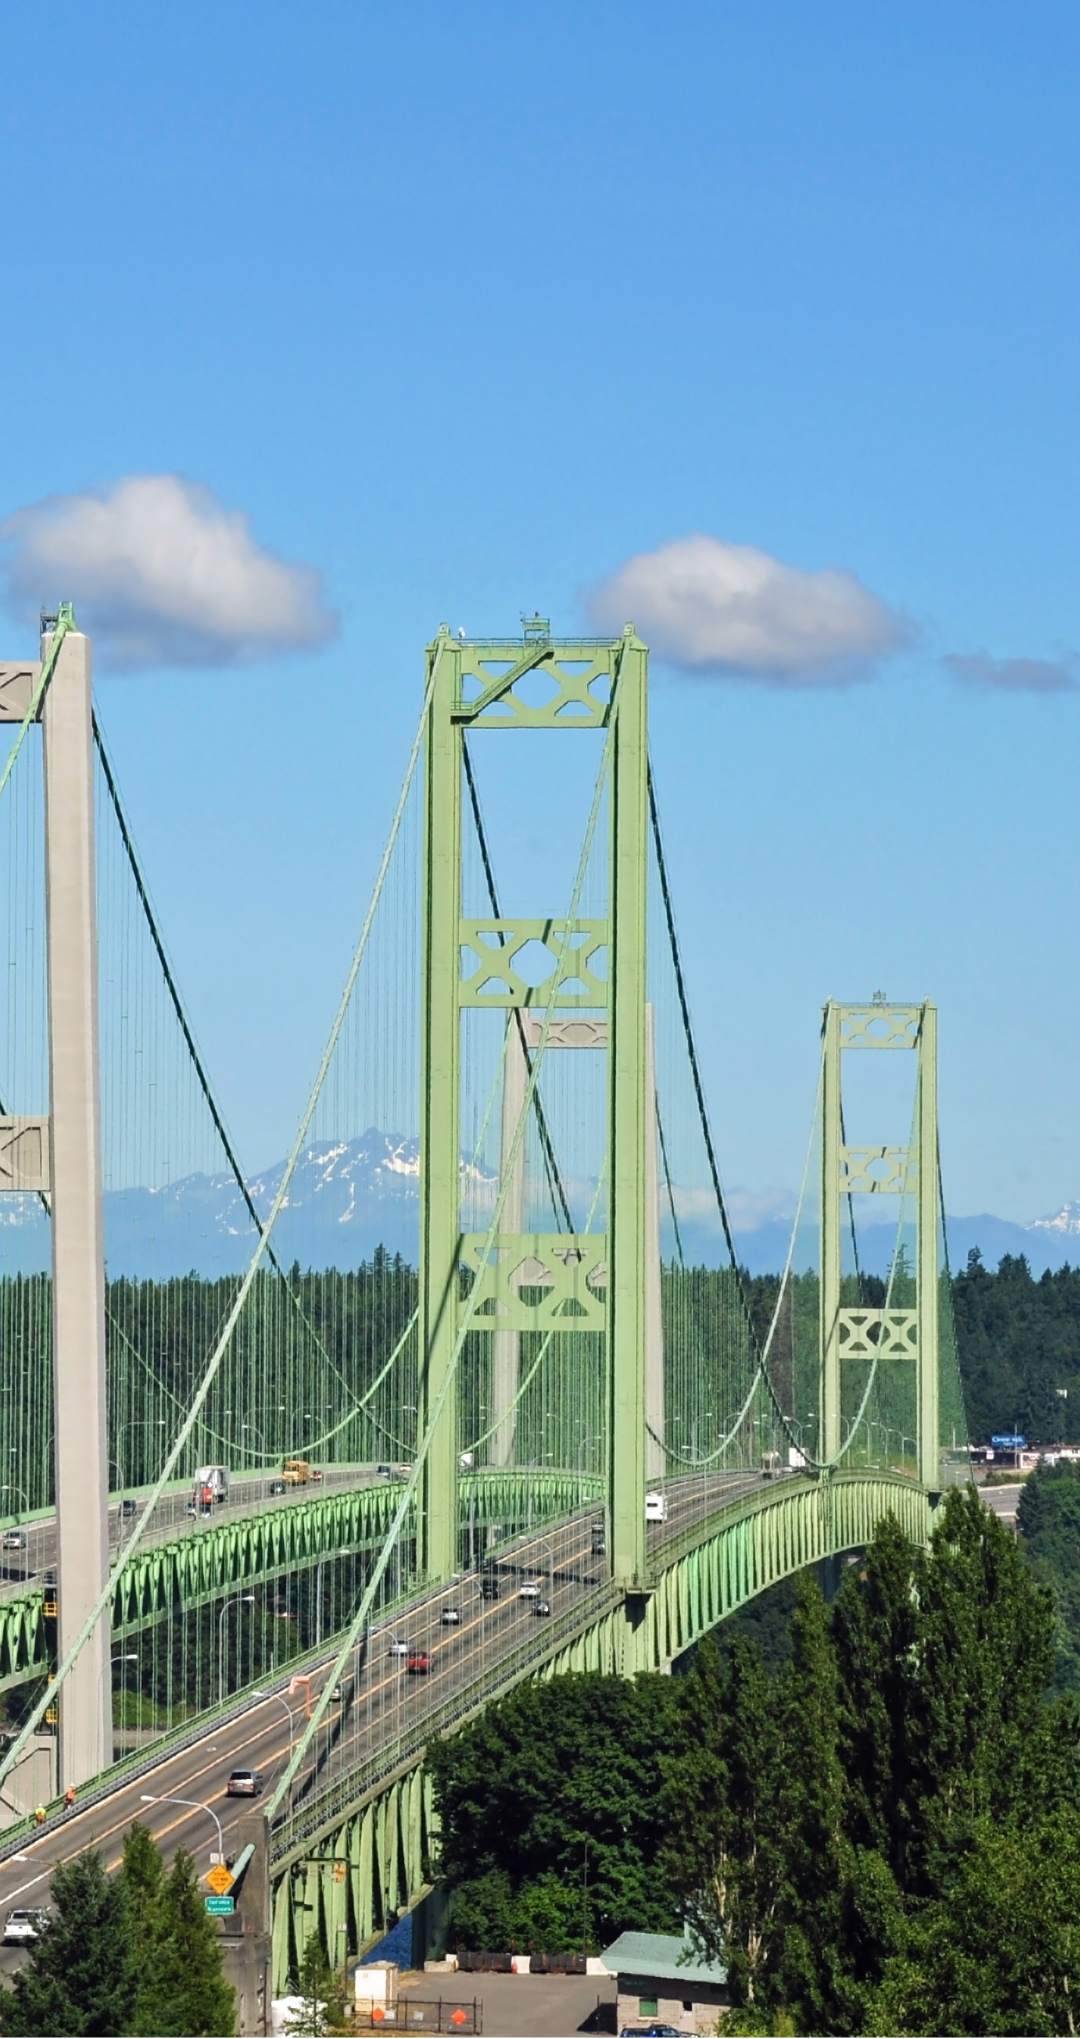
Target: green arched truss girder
(372, 1862)
(250, 1550)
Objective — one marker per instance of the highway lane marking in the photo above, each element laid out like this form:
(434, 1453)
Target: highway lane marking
(512, 1612)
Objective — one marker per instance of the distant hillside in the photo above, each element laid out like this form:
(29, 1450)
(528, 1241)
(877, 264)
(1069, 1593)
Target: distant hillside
(349, 1196)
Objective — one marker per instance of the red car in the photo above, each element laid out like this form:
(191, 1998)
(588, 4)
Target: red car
(419, 1662)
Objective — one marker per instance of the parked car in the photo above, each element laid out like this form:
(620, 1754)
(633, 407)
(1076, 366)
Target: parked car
(451, 1617)
(419, 1663)
(541, 1607)
(651, 2032)
(530, 1590)
(244, 1784)
(20, 1927)
(399, 1648)
(14, 1539)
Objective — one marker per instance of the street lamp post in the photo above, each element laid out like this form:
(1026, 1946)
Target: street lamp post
(198, 1804)
(241, 1600)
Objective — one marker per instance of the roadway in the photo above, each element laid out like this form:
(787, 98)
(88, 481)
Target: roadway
(249, 1494)
(1003, 1501)
(383, 1704)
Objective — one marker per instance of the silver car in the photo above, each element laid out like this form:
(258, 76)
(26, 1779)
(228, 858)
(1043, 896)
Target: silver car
(23, 1926)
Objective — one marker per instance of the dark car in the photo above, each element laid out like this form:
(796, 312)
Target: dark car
(651, 2032)
(276, 1487)
(129, 1507)
(244, 1784)
(541, 1607)
(489, 1586)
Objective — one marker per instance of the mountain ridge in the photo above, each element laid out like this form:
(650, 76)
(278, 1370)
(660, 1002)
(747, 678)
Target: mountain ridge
(349, 1196)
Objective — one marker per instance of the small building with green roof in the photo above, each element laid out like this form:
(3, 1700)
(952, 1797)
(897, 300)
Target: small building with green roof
(661, 1982)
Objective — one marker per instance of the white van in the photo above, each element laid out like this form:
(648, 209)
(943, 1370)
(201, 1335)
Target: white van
(656, 1507)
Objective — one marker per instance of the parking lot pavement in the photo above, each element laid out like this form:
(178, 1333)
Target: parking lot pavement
(522, 2006)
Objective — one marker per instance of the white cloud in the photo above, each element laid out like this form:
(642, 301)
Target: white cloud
(735, 612)
(1017, 675)
(162, 574)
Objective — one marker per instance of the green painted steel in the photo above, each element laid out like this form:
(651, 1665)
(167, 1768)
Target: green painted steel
(593, 685)
(440, 1083)
(209, 1563)
(898, 1333)
(353, 1882)
(24, 1639)
(384, 1836)
(926, 1285)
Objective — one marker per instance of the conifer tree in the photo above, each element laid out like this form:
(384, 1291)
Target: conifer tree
(809, 1963)
(318, 1988)
(80, 1975)
(977, 1726)
(143, 1878)
(182, 1989)
(724, 1851)
(875, 1626)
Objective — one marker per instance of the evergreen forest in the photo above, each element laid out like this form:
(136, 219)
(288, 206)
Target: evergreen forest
(878, 1831)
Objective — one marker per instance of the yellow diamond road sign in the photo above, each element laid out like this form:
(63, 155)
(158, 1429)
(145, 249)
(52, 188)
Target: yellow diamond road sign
(220, 1879)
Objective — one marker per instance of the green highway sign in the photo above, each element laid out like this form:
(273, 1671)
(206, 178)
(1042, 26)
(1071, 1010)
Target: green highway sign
(220, 1907)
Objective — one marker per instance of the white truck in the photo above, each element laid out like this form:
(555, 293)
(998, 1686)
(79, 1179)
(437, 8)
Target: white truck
(213, 1480)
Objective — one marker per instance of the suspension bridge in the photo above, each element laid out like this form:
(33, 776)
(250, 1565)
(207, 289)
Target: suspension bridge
(473, 1383)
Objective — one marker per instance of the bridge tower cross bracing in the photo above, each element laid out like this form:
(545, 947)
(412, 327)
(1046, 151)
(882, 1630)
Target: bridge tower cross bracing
(598, 685)
(898, 1332)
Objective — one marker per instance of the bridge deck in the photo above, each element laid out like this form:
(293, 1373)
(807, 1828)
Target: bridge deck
(388, 1715)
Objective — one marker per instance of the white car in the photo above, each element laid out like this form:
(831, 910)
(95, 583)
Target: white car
(656, 1507)
(14, 1539)
(530, 1590)
(451, 1616)
(22, 1927)
(398, 1648)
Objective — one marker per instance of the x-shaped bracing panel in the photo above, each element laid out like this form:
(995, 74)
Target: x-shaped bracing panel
(570, 1270)
(571, 948)
(890, 1171)
(878, 1334)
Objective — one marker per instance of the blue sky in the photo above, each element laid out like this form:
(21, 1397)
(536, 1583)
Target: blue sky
(465, 307)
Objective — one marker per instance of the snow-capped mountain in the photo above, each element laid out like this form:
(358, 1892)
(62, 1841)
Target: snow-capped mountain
(1065, 1223)
(346, 1197)
(349, 1196)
